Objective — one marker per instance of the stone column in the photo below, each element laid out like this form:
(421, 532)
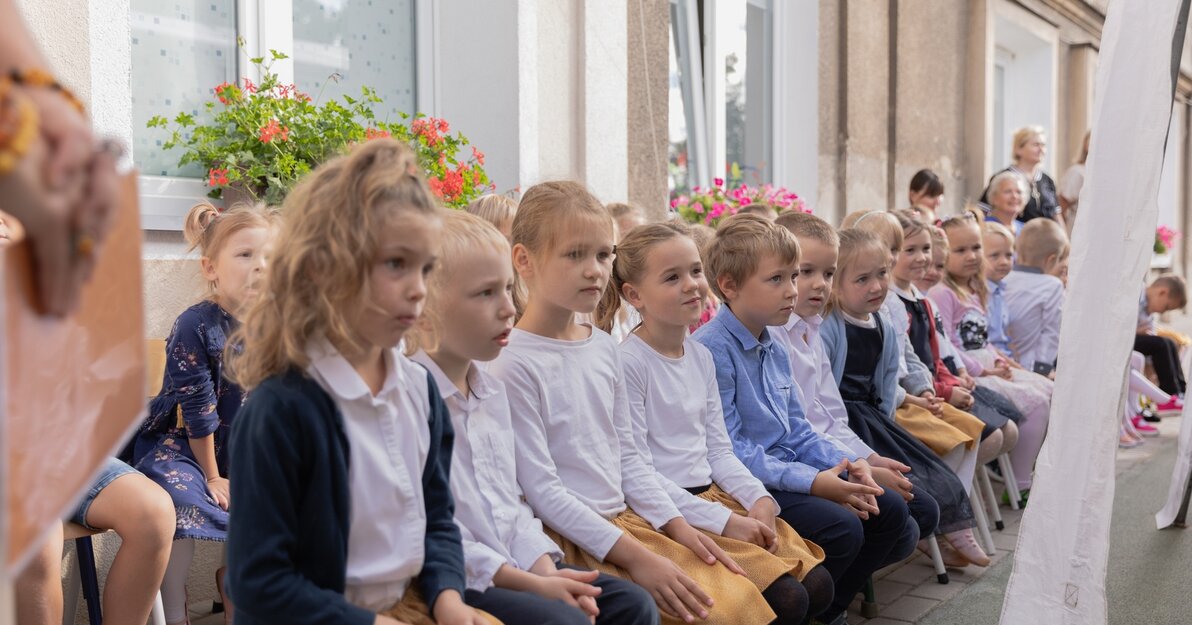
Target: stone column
(647, 75)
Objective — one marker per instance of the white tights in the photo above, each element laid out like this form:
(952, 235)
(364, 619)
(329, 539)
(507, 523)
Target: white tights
(173, 585)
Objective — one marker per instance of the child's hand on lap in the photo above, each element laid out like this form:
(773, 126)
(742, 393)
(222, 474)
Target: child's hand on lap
(766, 510)
(750, 530)
(829, 485)
(969, 381)
(894, 480)
(220, 491)
(933, 405)
(999, 369)
(675, 593)
(571, 587)
(961, 398)
(450, 609)
(702, 546)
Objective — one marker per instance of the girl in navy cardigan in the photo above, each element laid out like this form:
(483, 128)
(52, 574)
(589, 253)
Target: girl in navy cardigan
(341, 451)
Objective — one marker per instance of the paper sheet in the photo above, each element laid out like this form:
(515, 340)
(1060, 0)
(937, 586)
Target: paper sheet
(71, 388)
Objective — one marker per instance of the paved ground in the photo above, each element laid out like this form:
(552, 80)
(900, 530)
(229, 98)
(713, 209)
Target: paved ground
(1148, 575)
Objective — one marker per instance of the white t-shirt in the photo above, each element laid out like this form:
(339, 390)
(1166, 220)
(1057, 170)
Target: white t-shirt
(577, 460)
(389, 439)
(675, 403)
(496, 525)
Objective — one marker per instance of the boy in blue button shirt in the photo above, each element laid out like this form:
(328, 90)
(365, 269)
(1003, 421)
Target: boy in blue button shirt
(828, 495)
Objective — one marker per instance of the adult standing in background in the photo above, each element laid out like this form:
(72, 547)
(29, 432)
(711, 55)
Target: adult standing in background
(925, 194)
(1071, 183)
(60, 184)
(1029, 147)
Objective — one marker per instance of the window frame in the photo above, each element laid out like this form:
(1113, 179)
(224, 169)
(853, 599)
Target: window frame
(265, 25)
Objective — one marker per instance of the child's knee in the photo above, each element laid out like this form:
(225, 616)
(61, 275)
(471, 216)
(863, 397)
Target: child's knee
(151, 517)
(1009, 435)
(634, 606)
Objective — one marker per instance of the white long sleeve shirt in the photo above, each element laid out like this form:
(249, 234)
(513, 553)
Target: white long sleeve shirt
(674, 404)
(497, 527)
(389, 439)
(815, 384)
(577, 460)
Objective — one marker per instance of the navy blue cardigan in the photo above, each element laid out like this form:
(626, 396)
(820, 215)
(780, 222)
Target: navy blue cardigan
(288, 531)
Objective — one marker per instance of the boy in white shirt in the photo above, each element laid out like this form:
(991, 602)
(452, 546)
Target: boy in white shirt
(512, 568)
(1035, 295)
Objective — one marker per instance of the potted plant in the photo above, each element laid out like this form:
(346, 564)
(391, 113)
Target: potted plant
(711, 205)
(263, 138)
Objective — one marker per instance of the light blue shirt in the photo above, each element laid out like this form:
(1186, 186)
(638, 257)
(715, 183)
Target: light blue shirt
(762, 412)
(999, 316)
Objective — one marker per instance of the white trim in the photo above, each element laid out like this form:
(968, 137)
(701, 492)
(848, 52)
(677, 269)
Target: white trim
(691, 77)
(276, 32)
(714, 89)
(165, 200)
(426, 57)
(247, 22)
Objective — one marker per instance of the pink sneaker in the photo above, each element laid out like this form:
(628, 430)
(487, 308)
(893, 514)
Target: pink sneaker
(1175, 405)
(1143, 427)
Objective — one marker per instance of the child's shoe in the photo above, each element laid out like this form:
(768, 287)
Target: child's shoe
(966, 546)
(1148, 414)
(1174, 406)
(1143, 427)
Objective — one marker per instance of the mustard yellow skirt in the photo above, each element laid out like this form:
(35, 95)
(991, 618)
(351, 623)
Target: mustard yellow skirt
(736, 600)
(944, 433)
(794, 556)
(412, 609)
(1180, 338)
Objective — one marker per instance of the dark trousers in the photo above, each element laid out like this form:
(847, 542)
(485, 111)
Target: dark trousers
(1165, 356)
(621, 602)
(854, 549)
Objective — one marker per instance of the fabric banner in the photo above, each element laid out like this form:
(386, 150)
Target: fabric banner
(1063, 546)
(70, 389)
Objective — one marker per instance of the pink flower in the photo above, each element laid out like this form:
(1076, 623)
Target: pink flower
(718, 182)
(674, 203)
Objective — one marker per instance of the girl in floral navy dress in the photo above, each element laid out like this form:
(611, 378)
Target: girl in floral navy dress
(182, 444)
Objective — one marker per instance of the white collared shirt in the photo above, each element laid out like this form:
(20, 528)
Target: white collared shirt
(675, 406)
(497, 526)
(577, 460)
(389, 438)
(816, 385)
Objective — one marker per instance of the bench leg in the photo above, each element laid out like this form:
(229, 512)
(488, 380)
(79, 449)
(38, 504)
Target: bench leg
(89, 579)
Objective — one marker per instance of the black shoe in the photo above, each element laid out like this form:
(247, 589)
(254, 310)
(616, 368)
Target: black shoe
(1149, 415)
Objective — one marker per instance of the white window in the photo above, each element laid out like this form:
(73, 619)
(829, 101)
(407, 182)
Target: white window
(722, 94)
(182, 49)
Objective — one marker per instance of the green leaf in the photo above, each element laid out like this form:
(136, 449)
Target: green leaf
(277, 56)
(184, 119)
(257, 60)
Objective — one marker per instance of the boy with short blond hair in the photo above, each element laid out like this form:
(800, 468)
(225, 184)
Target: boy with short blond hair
(751, 265)
(1034, 295)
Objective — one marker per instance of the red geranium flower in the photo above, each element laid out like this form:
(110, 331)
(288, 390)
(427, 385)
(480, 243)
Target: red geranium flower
(376, 133)
(217, 177)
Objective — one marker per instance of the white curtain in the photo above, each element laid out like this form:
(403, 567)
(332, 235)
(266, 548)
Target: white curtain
(1063, 547)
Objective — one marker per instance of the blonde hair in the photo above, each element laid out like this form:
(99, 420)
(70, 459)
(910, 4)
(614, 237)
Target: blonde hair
(806, 225)
(702, 234)
(855, 243)
(462, 233)
(884, 225)
(318, 276)
(976, 284)
(545, 210)
(910, 222)
(997, 229)
(208, 229)
(939, 242)
(739, 245)
(632, 253)
(493, 208)
(1039, 239)
(761, 210)
(1024, 134)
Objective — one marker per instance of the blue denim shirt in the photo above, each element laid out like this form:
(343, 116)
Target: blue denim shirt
(762, 412)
